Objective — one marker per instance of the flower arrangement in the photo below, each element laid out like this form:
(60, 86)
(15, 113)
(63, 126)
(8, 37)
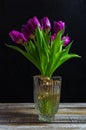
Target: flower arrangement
(45, 50)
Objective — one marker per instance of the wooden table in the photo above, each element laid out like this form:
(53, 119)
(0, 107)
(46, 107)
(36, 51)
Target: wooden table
(23, 116)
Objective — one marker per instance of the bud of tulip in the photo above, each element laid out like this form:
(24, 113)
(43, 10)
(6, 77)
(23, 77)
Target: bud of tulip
(17, 37)
(66, 40)
(45, 23)
(53, 36)
(59, 26)
(33, 23)
(27, 31)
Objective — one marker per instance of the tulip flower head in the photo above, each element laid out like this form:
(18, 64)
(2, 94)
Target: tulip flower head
(60, 25)
(45, 24)
(17, 37)
(66, 40)
(45, 50)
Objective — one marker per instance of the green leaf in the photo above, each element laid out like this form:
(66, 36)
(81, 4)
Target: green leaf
(42, 48)
(56, 45)
(38, 44)
(59, 35)
(67, 48)
(25, 54)
(68, 56)
(58, 59)
(63, 59)
(51, 63)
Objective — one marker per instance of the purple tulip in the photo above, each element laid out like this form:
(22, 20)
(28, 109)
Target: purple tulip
(66, 40)
(33, 23)
(46, 25)
(59, 26)
(27, 31)
(53, 36)
(17, 37)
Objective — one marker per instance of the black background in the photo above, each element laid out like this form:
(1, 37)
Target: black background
(16, 82)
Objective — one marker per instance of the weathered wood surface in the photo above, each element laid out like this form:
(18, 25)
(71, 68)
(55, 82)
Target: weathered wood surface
(23, 116)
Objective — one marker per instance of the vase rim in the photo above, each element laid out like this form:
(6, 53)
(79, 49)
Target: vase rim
(52, 77)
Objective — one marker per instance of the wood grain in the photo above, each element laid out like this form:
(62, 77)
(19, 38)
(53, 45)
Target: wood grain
(23, 116)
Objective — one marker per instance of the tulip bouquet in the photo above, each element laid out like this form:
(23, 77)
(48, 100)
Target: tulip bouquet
(46, 50)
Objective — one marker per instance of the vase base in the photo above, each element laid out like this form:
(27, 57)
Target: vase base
(46, 118)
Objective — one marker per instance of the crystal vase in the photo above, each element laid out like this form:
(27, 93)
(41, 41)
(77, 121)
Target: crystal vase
(46, 96)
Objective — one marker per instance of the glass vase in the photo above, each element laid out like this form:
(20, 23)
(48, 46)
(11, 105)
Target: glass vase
(46, 96)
